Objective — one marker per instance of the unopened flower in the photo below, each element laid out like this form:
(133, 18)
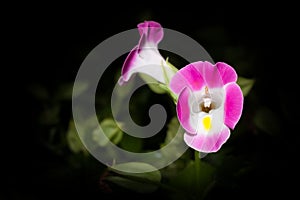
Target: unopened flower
(145, 57)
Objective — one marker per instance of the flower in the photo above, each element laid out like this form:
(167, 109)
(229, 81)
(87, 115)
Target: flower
(145, 57)
(209, 103)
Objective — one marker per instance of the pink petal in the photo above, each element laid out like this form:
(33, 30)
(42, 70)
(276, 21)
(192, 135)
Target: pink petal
(187, 77)
(210, 74)
(145, 57)
(227, 73)
(151, 32)
(207, 143)
(233, 104)
(183, 110)
(128, 65)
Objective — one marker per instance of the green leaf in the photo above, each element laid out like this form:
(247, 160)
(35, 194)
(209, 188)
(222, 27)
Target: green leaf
(171, 65)
(195, 180)
(79, 88)
(73, 140)
(129, 176)
(135, 169)
(111, 131)
(267, 120)
(175, 134)
(132, 185)
(246, 84)
(172, 130)
(152, 83)
(67, 90)
(132, 144)
(64, 91)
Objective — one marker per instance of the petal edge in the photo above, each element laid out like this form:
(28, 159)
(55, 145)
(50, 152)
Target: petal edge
(233, 104)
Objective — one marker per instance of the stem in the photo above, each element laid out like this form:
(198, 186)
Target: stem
(197, 169)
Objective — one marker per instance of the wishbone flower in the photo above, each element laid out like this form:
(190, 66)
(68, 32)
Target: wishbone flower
(145, 57)
(209, 103)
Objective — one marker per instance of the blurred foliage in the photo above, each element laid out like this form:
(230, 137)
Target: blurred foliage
(187, 178)
(74, 141)
(138, 182)
(111, 130)
(246, 84)
(194, 181)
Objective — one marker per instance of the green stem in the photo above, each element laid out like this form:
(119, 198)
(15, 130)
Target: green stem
(197, 168)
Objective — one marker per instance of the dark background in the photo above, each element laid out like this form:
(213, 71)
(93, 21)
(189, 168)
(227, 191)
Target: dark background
(47, 43)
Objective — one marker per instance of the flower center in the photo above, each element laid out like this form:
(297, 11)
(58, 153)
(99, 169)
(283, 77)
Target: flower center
(207, 104)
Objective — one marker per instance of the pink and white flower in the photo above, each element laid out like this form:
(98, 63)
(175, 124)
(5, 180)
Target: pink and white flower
(210, 103)
(145, 57)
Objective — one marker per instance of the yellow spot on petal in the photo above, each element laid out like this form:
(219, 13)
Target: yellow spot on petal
(206, 123)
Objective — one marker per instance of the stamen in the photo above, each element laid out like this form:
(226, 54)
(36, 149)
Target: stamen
(206, 90)
(207, 104)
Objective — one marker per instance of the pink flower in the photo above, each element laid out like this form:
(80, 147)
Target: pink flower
(209, 103)
(145, 57)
